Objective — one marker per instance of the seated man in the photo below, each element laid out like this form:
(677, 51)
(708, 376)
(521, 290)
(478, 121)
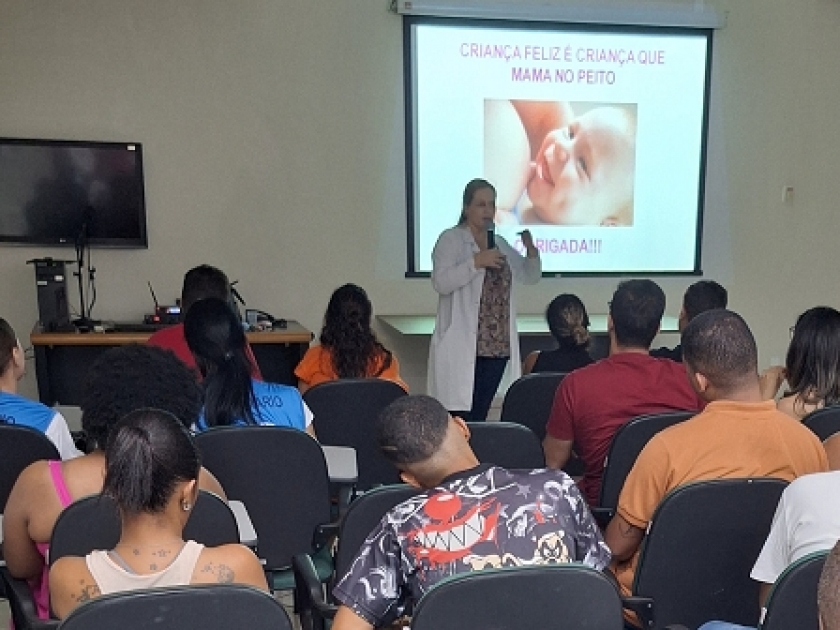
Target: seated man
(595, 401)
(471, 516)
(737, 435)
(700, 297)
(200, 282)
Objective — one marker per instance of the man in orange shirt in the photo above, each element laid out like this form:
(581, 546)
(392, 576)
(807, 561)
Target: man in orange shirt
(737, 435)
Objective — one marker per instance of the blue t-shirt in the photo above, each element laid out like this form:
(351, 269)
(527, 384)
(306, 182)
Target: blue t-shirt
(16, 409)
(276, 405)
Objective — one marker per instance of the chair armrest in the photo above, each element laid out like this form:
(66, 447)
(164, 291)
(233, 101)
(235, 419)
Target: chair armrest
(642, 606)
(602, 515)
(22, 604)
(309, 595)
(324, 534)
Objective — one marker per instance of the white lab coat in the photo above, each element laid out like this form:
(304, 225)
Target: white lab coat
(459, 283)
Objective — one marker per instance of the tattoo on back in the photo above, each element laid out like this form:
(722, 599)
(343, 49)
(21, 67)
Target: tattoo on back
(88, 592)
(224, 574)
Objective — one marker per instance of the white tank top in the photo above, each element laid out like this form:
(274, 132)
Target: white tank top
(112, 578)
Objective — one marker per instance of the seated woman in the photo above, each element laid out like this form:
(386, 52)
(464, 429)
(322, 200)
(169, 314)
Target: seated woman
(16, 409)
(119, 381)
(231, 395)
(349, 348)
(812, 366)
(151, 472)
(569, 325)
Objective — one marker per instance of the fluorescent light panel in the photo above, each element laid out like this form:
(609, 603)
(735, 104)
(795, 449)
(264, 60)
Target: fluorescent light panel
(697, 15)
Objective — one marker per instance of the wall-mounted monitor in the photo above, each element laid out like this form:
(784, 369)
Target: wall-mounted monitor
(52, 192)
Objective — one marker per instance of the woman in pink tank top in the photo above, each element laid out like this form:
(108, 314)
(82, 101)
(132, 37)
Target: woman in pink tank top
(119, 381)
(152, 468)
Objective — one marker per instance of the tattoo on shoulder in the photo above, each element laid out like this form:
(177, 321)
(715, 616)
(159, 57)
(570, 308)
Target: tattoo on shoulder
(627, 530)
(87, 592)
(224, 574)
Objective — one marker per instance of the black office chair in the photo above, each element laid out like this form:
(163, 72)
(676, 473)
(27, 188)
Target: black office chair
(94, 523)
(345, 411)
(695, 560)
(792, 602)
(560, 597)
(625, 447)
(528, 400)
(506, 444)
(824, 422)
(19, 447)
(211, 607)
(281, 476)
(361, 517)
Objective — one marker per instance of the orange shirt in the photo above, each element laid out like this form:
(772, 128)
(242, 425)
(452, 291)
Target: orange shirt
(727, 440)
(317, 367)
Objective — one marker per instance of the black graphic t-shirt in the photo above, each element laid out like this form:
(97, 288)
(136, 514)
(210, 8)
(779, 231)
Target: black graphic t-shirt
(485, 517)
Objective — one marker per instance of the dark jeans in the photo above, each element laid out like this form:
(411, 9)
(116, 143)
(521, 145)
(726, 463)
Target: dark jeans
(488, 375)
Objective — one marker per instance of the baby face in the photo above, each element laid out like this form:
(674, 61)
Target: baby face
(584, 172)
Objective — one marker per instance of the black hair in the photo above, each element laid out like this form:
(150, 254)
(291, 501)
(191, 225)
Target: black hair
(812, 366)
(411, 429)
(636, 310)
(719, 345)
(703, 296)
(353, 346)
(148, 452)
(8, 343)
(132, 377)
(203, 282)
(472, 187)
(215, 336)
(568, 321)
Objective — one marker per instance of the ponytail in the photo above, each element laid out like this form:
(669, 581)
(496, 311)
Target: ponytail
(215, 337)
(148, 453)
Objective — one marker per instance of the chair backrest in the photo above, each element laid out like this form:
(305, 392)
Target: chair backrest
(528, 400)
(824, 422)
(792, 603)
(700, 546)
(345, 412)
(93, 523)
(280, 475)
(212, 607)
(506, 444)
(560, 597)
(19, 447)
(362, 516)
(625, 447)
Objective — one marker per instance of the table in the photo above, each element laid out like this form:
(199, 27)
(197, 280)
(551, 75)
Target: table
(247, 533)
(62, 359)
(533, 330)
(341, 463)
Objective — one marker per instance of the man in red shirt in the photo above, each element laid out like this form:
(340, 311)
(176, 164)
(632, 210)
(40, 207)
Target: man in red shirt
(593, 402)
(200, 282)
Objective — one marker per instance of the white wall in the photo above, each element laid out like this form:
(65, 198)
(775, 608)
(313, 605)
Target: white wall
(273, 139)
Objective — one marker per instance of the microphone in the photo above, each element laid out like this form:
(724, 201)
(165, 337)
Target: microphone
(491, 235)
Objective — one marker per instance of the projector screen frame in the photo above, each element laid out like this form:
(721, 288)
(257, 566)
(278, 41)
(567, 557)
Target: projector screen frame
(412, 19)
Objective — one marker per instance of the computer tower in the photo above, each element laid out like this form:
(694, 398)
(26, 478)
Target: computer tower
(51, 283)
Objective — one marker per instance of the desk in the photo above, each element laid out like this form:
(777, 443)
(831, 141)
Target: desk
(247, 533)
(62, 359)
(341, 463)
(533, 330)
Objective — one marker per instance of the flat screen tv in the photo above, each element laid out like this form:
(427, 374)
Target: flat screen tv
(54, 192)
